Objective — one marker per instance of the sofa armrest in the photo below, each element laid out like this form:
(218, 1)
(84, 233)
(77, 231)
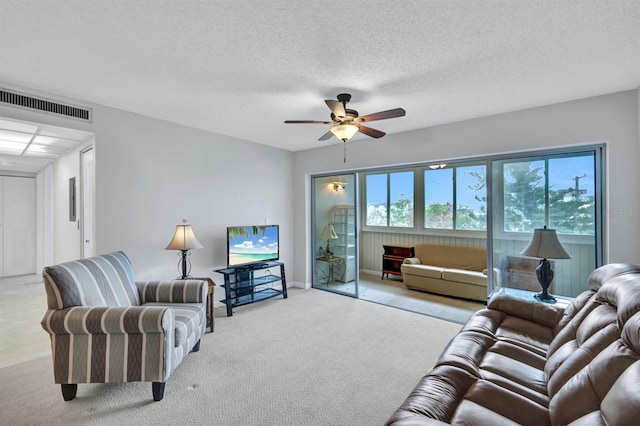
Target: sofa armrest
(541, 313)
(412, 260)
(108, 320)
(175, 291)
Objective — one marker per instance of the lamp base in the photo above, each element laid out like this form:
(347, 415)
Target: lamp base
(545, 276)
(544, 297)
(186, 265)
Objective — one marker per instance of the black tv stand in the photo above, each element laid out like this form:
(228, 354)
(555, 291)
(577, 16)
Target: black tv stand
(242, 286)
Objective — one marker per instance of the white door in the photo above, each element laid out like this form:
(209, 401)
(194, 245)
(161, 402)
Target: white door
(87, 200)
(19, 225)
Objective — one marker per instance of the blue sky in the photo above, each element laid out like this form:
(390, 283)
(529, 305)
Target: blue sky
(267, 243)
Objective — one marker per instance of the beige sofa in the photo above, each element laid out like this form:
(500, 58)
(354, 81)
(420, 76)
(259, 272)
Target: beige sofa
(520, 361)
(448, 270)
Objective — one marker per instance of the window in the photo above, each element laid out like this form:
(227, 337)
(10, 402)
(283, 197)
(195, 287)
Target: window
(389, 198)
(471, 198)
(462, 186)
(438, 198)
(557, 191)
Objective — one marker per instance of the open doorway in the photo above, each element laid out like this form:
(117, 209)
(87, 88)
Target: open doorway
(49, 155)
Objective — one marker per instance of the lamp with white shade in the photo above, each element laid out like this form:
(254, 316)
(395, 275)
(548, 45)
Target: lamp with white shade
(545, 245)
(184, 240)
(328, 233)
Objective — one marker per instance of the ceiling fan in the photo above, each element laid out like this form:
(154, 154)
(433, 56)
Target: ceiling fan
(347, 122)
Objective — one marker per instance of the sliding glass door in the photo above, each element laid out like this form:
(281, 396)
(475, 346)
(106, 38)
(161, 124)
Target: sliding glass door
(560, 191)
(335, 260)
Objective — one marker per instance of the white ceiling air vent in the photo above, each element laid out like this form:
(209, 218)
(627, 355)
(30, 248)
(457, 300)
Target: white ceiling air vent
(44, 105)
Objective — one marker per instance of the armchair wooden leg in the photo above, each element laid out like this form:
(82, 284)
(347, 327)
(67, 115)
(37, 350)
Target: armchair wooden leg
(196, 347)
(158, 390)
(69, 391)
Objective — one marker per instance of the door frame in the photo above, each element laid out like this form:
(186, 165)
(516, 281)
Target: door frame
(316, 241)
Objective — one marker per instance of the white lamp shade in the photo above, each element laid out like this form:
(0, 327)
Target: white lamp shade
(545, 245)
(344, 132)
(328, 233)
(184, 239)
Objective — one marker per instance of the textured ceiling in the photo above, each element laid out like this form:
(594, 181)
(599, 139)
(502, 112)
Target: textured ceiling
(241, 68)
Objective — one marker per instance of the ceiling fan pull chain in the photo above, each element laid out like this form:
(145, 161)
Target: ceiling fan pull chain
(344, 144)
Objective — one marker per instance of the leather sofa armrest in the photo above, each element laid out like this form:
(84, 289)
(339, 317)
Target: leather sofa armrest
(175, 291)
(108, 320)
(412, 260)
(542, 313)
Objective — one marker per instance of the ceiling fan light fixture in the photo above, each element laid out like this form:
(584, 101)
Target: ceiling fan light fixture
(344, 132)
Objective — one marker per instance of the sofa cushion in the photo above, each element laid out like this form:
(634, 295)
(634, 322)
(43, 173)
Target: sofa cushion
(469, 258)
(422, 270)
(462, 276)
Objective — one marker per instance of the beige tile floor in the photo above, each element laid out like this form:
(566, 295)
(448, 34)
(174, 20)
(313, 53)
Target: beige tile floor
(23, 302)
(391, 291)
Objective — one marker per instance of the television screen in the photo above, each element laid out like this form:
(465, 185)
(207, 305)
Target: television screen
(252, 244)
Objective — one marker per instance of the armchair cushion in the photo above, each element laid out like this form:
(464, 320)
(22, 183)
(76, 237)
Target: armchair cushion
(105, 280)
(188, 317)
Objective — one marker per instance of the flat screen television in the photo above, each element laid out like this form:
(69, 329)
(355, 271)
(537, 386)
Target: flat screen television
(252, 244)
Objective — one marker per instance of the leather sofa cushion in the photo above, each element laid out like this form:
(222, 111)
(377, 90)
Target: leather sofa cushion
(451, 395)
(468, 277)
(592, 384)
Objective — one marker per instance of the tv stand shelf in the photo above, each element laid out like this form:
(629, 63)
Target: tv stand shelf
(242, 286)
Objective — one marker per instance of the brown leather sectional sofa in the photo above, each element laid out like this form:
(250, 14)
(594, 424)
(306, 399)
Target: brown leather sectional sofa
(530, 363)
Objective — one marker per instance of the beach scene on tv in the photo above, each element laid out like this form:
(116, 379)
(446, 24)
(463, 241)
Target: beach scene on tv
(249, 244)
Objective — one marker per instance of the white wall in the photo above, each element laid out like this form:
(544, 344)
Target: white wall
(150, 174)
(66, 234)
(44, 218)
(611, 118)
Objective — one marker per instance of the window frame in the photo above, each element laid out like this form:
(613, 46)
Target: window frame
(493, 209)
(498, 211)
(388, 173)
(454, 184)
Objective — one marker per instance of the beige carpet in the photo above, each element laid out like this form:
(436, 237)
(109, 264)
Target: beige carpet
(314, 359)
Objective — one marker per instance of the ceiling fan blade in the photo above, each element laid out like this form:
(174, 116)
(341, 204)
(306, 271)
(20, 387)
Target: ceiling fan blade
(383, 115)
(336, 108)
(307, 122)
(371, 132)
(326, 136)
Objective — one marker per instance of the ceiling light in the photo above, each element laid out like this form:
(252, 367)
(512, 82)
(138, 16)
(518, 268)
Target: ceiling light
(17, 146)
(437, 166)
(339, 186)
(344, 132)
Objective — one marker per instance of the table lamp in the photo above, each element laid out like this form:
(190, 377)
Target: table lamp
(328, 233)
(545, 245)
(184, 240)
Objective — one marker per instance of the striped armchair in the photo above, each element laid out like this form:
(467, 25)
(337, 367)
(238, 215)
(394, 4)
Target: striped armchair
(106, 328)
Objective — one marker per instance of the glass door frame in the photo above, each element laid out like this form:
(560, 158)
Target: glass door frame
(330, 182)
(599, 152)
